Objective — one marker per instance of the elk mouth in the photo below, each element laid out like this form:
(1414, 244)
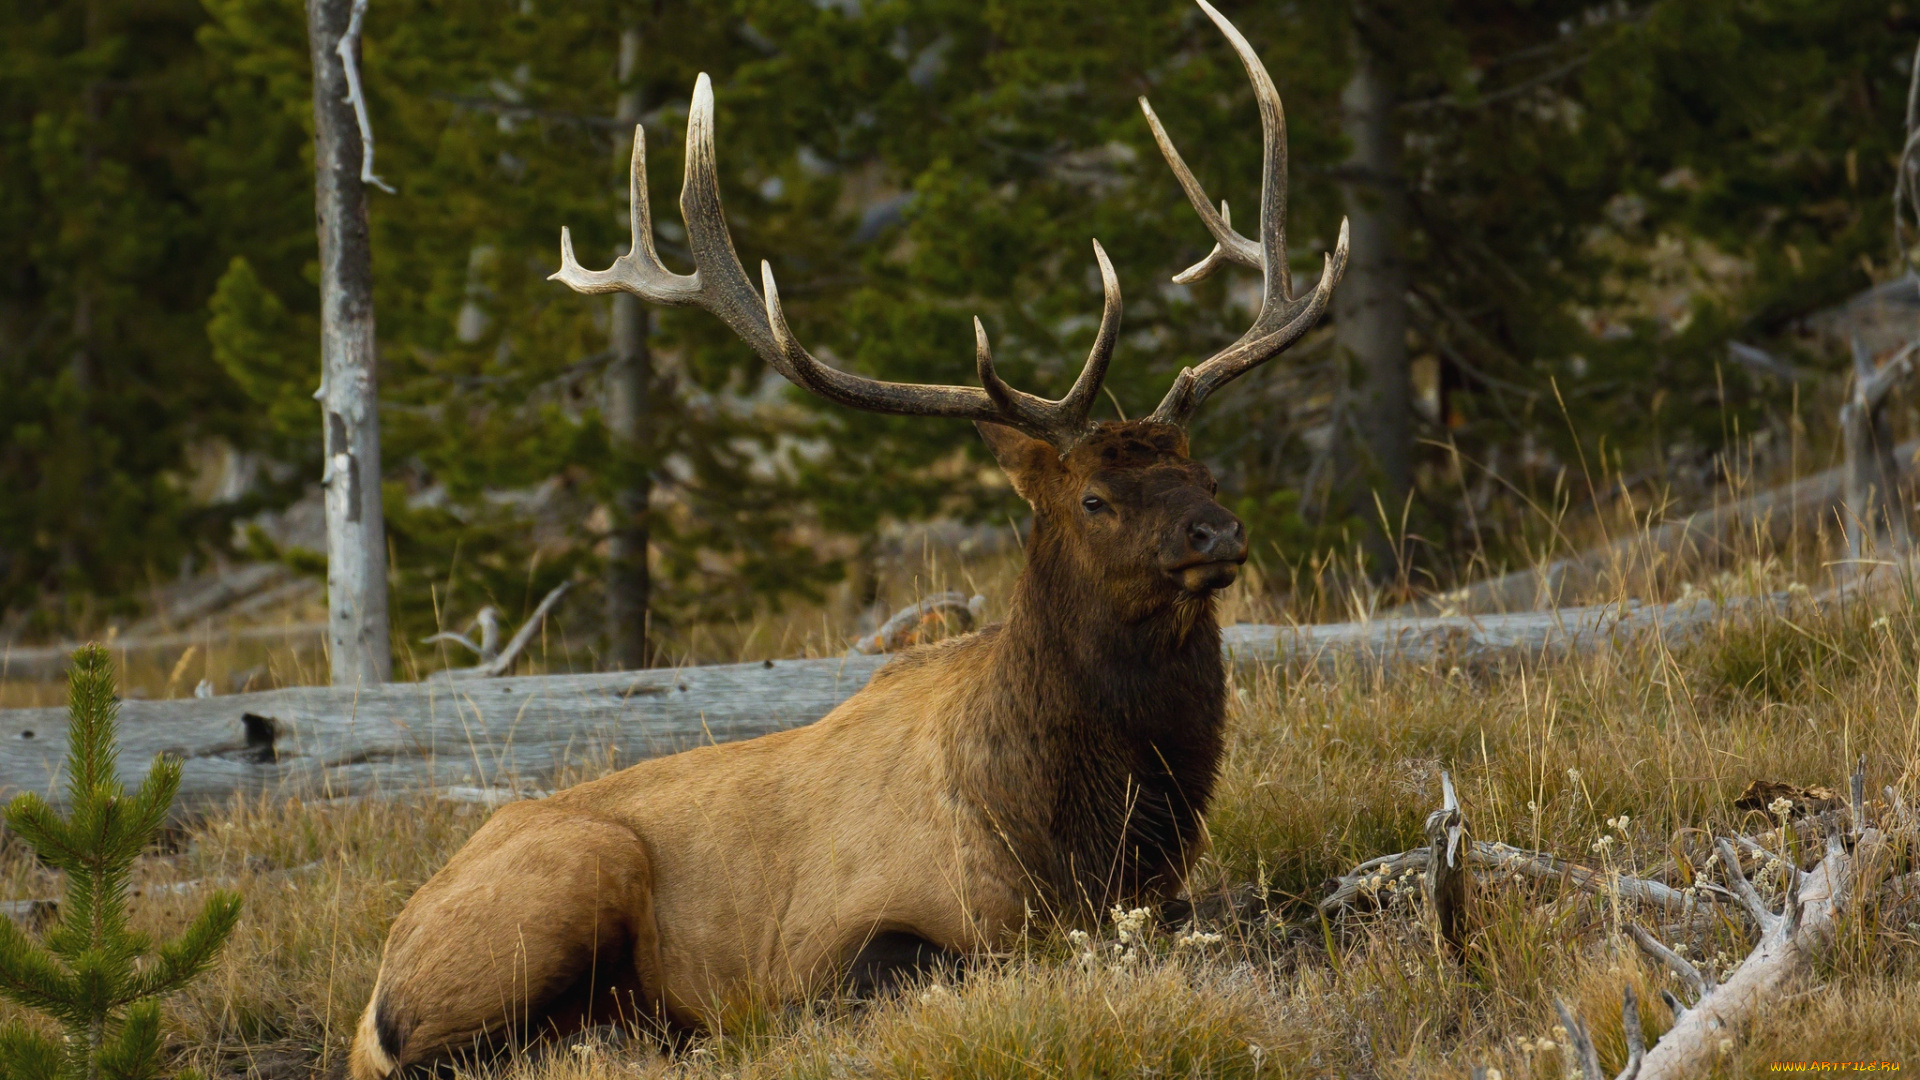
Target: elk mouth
(1209, 576)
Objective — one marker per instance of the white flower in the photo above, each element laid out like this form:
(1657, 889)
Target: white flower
(1573, 776)
(1194, 939)
(1129, 924)
(1082, 945)
(1601, 845)
(1781, 806)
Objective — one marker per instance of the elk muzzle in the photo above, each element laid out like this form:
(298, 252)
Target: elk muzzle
(1207, 549)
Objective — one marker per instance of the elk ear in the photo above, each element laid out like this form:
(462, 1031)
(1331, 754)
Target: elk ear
(1030, 463)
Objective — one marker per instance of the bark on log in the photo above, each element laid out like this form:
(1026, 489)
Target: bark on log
(511, 733)
(519, 731)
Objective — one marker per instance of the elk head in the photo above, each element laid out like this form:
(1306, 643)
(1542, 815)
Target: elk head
(1121, 503)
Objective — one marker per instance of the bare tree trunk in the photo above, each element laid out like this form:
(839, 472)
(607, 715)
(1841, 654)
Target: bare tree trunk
(358, 644)
(628, 380)
(1873, 476)
(1370, 307)
(1870, 476)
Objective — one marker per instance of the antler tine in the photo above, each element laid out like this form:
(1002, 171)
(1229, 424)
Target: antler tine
(1215, 258)
(719, 284)
(717, 264)
(998, 403)
(1230, 245)
(1077, 406)
(1282, 318)
(1071, 413)
(640, 270)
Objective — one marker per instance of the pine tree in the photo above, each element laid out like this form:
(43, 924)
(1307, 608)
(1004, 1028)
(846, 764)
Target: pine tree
(98, 978)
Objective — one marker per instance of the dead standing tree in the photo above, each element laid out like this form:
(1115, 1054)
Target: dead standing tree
(1873, 476)
(627, 387)
(357, 635)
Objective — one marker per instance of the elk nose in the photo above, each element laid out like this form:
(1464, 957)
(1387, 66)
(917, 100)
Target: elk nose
(1217, 536)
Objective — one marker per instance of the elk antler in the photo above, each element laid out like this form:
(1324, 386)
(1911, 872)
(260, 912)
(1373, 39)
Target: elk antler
(1282, 318)
(719, 284)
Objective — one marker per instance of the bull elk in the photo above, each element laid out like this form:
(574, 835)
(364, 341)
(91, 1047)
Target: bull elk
(1058, 762)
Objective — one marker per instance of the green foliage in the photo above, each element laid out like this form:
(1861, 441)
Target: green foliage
(96, 976)
(905, 164)
(103, 278)
(249, 331)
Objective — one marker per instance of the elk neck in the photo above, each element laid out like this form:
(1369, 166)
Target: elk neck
(1108, 716)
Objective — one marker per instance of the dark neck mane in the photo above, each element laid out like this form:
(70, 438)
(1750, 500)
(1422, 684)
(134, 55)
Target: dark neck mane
(1119, 724)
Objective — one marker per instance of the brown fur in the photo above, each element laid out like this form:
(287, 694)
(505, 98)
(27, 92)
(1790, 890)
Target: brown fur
(1053, 764)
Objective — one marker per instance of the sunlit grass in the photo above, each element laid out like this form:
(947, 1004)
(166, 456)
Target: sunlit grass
(1325, 768)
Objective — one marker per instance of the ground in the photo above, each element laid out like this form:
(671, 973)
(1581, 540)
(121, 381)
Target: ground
(1648, 746)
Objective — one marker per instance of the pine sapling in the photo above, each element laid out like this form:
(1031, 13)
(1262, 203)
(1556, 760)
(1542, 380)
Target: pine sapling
(98, 978)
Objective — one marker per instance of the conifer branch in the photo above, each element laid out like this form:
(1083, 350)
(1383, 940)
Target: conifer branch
(88, 975)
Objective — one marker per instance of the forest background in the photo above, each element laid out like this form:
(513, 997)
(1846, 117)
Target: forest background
(1580, 206)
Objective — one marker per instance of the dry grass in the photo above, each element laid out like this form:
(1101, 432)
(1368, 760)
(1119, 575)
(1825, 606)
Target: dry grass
(1325, 768)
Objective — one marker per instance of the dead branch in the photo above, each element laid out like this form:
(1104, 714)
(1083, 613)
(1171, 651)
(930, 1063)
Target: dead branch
(910, 624)
(1579, 1049)
(1789, 939)
(1369, 877)
(349, 50)
(488, 647)
(496, 666)
(1447, 873)
(413, 735)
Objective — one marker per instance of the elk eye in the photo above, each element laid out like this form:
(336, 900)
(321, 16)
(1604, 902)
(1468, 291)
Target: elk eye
(1094, 504)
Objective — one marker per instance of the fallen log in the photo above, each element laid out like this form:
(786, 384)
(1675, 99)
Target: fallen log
(515, 732)
(504, 733)
(1773, 513)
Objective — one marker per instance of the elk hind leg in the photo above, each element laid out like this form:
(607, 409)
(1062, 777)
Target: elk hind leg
(538, 914)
